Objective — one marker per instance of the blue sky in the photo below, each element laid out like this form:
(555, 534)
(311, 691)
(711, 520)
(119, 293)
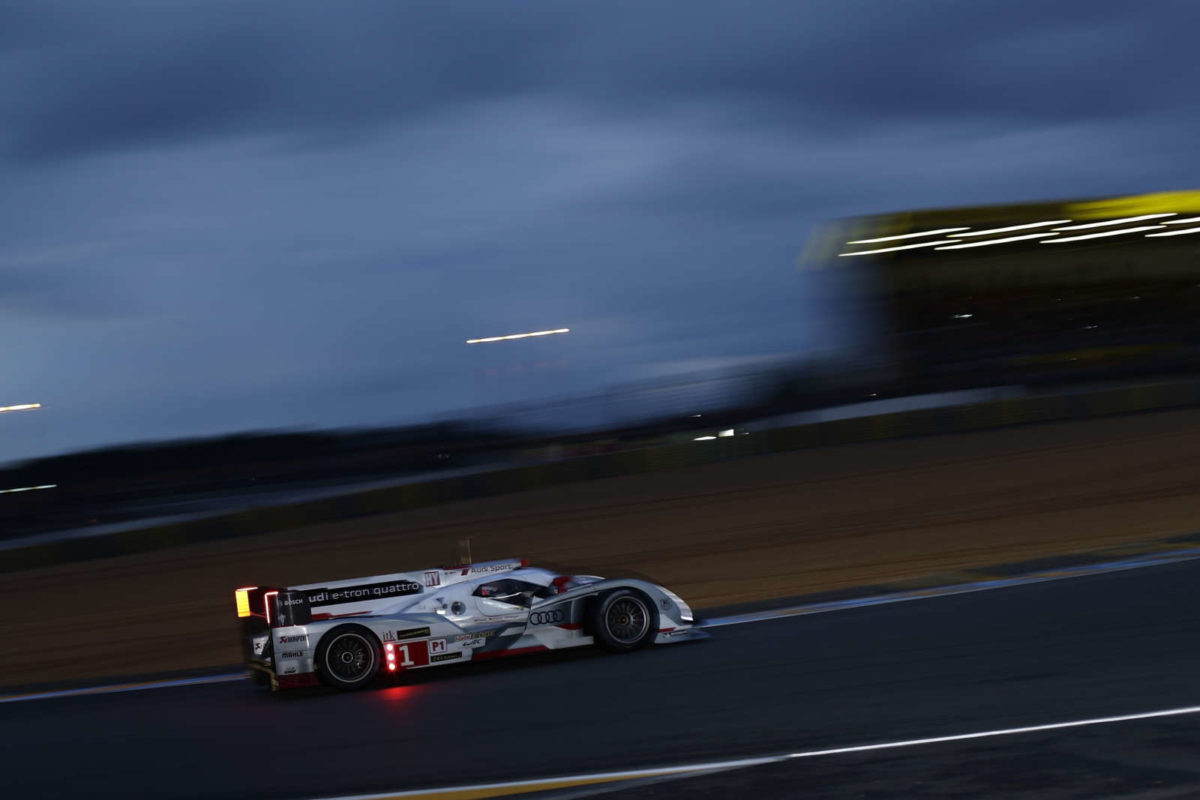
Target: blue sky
(227, 216)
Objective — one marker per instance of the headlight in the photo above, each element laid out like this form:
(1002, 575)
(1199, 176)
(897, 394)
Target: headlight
(685, 612)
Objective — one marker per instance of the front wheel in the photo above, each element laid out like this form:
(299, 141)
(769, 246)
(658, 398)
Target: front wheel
(624, 620)
(347, 657)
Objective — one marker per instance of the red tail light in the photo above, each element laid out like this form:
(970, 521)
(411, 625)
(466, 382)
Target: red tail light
(267, 604)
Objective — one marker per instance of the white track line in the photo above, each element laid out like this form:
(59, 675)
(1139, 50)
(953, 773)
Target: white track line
(1170, 557)
(568, 781)
(962, 737)
(716, 766)
(124, 687)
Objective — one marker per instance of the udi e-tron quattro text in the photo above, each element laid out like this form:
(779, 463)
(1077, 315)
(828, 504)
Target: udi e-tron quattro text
(344, 633)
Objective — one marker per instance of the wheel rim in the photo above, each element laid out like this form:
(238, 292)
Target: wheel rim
(349, 657)
(627, 620)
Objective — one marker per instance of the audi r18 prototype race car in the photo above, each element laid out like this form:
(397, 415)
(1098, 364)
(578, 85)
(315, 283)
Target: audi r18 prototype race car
(343, 633)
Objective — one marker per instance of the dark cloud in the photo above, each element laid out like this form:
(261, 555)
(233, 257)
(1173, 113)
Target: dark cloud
(157, 74)
(36, 292)
(183, 73)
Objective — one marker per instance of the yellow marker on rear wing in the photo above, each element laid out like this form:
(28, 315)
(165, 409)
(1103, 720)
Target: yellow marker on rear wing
(242, 597)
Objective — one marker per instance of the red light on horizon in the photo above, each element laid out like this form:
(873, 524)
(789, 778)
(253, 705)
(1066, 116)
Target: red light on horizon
(396, 693)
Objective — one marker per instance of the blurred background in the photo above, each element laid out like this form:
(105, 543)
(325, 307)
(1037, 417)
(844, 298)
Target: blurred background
(244, 253)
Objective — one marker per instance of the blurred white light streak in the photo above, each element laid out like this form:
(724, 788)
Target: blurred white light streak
(1175, 233)
(29, 488)
(517, 336)
(23, 407)
(901, 247)
(1180, 221)
(1006, 239)
(1024, 227)
(704, 438)
(938, 232)
(1111, 222)
(1102, 234)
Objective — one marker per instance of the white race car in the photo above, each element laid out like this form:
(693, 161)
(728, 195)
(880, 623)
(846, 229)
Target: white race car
(343, 633)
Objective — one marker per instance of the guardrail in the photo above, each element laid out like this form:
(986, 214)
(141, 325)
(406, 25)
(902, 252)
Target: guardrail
(923, 422)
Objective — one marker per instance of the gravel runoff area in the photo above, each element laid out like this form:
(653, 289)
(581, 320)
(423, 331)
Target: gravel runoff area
(901, 512)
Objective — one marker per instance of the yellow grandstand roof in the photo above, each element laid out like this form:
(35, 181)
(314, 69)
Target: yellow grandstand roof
(1158, 215)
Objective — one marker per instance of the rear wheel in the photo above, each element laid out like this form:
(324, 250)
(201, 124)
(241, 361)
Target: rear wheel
(624, 620)
(347, 657)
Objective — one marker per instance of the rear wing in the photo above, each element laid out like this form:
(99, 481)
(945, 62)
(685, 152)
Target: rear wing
(278, 607)
(275, 608)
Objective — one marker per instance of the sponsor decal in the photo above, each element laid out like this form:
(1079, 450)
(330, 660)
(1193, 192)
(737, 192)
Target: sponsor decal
(474, 639)
(488, 569)
(445, 657)
(412, 633)
(292, 654)
(437, 645)
(300, 637)
(290, 671)
(433, 578)
(388, 637)
(363, 591)
(514, 617)
(552, 617)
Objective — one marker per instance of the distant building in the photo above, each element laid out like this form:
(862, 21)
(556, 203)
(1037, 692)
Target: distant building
(1072, 290)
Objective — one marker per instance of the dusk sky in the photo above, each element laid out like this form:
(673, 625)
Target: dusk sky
(220, 217)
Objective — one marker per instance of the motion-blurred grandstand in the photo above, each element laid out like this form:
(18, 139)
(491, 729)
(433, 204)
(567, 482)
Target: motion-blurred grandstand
(1027, 298)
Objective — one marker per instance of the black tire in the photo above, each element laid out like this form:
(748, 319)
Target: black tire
(348, 657)
(624, 620)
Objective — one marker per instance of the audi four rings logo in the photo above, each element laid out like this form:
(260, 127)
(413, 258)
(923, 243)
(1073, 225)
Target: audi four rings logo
(547, 617)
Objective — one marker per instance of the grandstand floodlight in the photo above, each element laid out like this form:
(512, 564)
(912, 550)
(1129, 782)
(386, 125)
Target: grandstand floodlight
(29, 488)
(1180, 232)
(1138, 229)
(938, 232)
(901, 247)
(1005, 240)
(1009, 228)
(22, 407)
(518, 336)
(1110, 222)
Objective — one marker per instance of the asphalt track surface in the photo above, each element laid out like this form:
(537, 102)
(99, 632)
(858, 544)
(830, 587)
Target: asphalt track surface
(1110, 644)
